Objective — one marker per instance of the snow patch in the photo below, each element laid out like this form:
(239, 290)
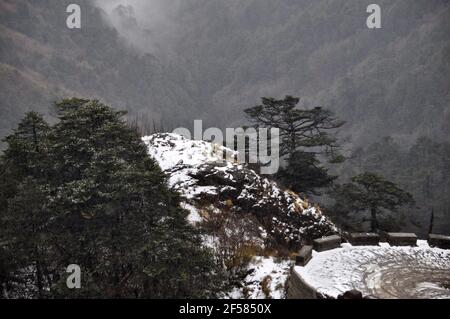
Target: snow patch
(380, 271)
(273, 271)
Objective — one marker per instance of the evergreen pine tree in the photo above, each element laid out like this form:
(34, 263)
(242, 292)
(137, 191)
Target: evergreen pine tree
(305, 138)
(304, 173)
(85, 192)
(23, 211)
(372, 194)
(115, 216)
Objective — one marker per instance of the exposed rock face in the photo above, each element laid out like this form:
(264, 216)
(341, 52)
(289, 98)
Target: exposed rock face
(351, 294)
(196, 170)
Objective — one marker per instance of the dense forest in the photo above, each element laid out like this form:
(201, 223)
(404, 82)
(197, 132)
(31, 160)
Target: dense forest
(210, 59)
(363, 114)
(84, 191)
(422, 169)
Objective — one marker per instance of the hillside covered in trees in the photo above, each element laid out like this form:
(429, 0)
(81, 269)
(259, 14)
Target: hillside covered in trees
(85, 192)
(153, 217)
(363, 117)
(422, 169)
(207, 59)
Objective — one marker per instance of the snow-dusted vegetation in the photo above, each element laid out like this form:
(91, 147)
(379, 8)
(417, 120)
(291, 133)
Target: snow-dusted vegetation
(208, 183)
(258, 217)
(245, 215)
(266, 278)
(342, 131)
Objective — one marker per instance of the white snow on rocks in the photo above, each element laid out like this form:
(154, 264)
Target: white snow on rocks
(197, 170)
(270, 272)
(181, 157)
(210, 185)
(193, 217)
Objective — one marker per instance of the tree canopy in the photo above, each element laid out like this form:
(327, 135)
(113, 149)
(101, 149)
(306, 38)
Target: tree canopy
(85, 192)
(369, 192)
(305, 139)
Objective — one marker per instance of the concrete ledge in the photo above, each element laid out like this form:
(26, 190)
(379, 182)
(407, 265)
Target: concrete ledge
(364, 239)
(401, 239)
(304, 256)
(327, 243)
(299, 289)
(439, 241)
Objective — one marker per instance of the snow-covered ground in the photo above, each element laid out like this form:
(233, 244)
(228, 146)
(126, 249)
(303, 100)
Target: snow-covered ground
(380, 271)
(181, 158)
(210, 185)
(270, 272)
(266, 213)
(196, 169)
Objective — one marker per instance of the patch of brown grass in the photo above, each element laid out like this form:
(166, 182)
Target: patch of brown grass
(265, 286)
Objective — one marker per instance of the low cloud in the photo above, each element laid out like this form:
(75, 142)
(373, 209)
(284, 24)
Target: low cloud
(147, 25)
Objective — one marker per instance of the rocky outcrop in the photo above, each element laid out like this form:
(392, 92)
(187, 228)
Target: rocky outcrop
(197, 171)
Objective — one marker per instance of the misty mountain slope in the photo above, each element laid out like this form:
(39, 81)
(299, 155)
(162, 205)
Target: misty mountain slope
(41, 61)
(238, 51)
(322, 51)
(209, 59)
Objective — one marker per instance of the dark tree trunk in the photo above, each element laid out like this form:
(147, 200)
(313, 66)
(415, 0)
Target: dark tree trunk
(40, 285)
(430, 229)
(374, 226)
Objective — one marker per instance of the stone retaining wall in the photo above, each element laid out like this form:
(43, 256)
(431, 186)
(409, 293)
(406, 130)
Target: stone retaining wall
(299, 289)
